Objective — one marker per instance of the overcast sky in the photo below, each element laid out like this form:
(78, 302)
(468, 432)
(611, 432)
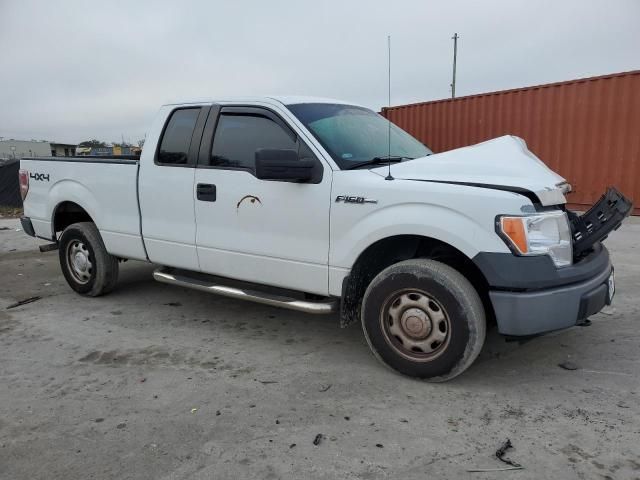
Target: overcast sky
(100, 69)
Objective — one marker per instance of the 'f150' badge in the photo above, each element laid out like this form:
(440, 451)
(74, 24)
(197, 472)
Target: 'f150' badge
(354, 199)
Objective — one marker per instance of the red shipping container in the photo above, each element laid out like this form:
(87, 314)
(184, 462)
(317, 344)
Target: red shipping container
(587, 130)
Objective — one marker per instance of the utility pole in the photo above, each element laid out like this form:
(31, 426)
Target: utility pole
(455, 55)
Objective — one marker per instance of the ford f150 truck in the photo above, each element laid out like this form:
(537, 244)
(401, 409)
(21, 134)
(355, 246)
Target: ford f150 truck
(319, 206)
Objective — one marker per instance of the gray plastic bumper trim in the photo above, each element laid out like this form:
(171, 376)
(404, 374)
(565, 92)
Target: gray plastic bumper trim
(532, 313)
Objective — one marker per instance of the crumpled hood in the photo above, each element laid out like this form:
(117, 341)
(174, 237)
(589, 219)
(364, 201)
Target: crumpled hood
(501, 162)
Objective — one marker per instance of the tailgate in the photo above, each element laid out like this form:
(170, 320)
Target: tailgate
(595, 225)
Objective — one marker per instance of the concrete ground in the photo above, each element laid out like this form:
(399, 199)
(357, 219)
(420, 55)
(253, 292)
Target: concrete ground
(158, 382)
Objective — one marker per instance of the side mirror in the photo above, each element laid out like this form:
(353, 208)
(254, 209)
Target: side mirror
(272, 164)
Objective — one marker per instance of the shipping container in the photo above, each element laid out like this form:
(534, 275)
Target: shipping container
(588, 130)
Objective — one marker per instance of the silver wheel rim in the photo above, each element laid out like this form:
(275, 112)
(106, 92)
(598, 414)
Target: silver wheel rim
(415, 325)
(79, 262)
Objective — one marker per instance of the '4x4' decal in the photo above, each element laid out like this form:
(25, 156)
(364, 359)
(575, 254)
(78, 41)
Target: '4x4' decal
(39, 177)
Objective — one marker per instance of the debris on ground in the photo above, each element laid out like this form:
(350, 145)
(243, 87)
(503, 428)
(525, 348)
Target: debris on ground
(318, 439)
(5, 228)
(501, 452)
(218, 413)
(19, 303)
(324, 388)
(99, 420)
(347, 418)
(568, 365)
(500, 455)
(292, 445)
(604, 372)
(503, 469)
(379, 445)
(267, 382)
(142, 380)
(194, 410)
(120, 426)
(174, 304)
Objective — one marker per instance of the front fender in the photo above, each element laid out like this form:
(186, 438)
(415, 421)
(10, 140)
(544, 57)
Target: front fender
(412, 218)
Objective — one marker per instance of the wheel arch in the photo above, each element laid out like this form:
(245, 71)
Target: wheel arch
(73, 195)
(66, 213)
(396, 248)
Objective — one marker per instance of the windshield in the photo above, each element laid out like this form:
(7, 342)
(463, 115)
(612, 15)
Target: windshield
(353, 135)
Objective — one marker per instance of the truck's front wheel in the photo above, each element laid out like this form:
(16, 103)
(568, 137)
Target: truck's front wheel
(86, 265)
(424, 319)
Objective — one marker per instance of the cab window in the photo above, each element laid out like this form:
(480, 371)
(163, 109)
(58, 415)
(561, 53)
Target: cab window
(176, 139)
(238, 136)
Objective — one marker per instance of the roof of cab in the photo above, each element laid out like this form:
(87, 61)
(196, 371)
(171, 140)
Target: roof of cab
(283, 99)
(297, 99)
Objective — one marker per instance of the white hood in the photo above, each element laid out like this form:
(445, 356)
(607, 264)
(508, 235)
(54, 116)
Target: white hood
(504, 161)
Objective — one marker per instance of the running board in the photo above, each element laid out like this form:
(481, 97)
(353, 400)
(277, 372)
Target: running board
(167, 275)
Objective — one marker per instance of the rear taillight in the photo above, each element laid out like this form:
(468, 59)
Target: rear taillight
(23, 175)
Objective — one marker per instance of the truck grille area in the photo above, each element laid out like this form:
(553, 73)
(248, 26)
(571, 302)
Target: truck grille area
(593, 226)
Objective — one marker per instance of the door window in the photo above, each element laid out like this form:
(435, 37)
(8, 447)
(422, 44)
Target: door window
(237, 138)
(176, 140)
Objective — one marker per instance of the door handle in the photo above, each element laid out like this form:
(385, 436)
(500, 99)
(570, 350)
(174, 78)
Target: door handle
(206, 192)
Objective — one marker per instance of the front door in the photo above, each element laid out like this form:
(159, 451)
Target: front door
(264, 231)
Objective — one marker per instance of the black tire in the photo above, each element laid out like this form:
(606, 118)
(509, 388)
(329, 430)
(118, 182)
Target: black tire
(100, 274)
(424, 319)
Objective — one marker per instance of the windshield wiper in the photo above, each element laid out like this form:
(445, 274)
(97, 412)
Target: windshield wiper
(379, 161)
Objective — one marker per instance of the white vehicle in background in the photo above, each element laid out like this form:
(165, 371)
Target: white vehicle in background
(308, 204)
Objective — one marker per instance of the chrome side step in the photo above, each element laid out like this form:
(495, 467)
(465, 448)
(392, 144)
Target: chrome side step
(167, 275)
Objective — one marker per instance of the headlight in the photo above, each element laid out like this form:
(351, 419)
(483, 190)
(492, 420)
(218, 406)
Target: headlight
(540, 234)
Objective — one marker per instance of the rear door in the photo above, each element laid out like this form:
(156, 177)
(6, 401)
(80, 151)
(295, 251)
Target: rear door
(265, 231)
(166, 188)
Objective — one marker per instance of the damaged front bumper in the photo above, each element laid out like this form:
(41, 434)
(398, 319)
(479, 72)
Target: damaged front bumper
(545, 298)
(530, 296)
(536, 312)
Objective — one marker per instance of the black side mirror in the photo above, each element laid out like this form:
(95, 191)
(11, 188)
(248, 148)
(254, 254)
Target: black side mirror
(272, 164)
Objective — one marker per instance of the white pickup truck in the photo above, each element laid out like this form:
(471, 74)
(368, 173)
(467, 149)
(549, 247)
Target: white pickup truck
(319, 206)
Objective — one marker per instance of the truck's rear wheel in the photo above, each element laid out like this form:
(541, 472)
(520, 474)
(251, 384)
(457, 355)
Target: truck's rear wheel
(424, 319)
(85, 262)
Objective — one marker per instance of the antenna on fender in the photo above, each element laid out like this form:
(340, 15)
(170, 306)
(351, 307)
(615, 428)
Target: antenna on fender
(389, 177)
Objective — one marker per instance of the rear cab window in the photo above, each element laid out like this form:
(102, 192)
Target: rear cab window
(177, 137)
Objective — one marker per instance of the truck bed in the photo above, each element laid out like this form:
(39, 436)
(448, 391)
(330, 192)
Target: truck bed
(107, 188)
